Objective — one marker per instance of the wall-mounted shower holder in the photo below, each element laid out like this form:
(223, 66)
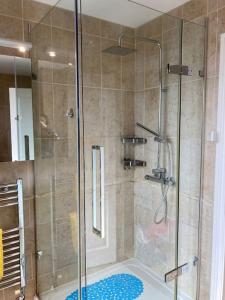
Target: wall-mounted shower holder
(179, 70)
(133, 140)
(128, 162)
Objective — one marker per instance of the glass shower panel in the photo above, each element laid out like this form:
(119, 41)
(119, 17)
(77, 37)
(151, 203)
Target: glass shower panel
(192, 109)
(123, 86)
(53, 68)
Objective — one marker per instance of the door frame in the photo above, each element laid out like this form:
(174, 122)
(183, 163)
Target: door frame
(218, 241)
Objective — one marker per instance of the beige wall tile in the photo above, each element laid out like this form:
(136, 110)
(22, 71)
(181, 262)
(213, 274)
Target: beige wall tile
(212, 44)
(209, 171)
(11, 28)
(61, 40)
(128, 69)
(63, 101)
(172, 20)
(211, 105)
(140, 66)
(43, 208)
(171, 53)
(44, 282)
(212, 5)
(91, 53)
(111, 110)
(41, 37)
(221, 3)
(128, 124)
(151, 66)
(194, 8)
(62, 18)
(67, 274)
(110, 30)
(192, 92)
(111, 67)
(151, 108)
(36, 11)
(11, 8)
(93, 116)
(91, 25)
(193, 49)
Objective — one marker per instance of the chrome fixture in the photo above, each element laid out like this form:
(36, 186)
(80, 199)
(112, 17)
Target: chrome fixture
(161, 175)
(70, 113)
(133, 140)
(179, 70)
(98, 202)
(39, 254)
(119, 49)
(158, 138)
(129, 163)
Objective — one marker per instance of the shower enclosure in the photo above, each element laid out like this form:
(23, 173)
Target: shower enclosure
(119, 111)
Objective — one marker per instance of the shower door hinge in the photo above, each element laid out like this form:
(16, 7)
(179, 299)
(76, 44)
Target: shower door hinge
(179, 70)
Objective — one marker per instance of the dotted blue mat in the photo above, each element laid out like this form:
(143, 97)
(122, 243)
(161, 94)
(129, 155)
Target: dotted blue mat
(115, 287)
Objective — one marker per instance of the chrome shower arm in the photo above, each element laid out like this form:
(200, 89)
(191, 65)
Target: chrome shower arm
(149, 130)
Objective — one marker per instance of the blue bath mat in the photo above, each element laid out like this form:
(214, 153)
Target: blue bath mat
(115, 287)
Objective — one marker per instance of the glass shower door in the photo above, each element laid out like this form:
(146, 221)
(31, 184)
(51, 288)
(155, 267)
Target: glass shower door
(56, 164)
(191, 142)
(127, 252)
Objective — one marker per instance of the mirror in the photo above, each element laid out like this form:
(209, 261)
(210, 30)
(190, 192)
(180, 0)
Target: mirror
(16, 115)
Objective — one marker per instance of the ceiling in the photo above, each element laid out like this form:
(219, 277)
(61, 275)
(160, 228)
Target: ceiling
(124, 12)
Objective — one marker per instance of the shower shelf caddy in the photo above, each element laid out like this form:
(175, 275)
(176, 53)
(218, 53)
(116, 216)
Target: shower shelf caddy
(132, 163)
(13, 239)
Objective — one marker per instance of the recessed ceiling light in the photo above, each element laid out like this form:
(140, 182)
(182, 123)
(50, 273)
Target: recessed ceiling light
(70, 64)
(52, 53)
(22, 49)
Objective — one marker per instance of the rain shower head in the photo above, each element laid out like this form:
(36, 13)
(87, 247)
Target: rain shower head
(119, 50)
(123, 51)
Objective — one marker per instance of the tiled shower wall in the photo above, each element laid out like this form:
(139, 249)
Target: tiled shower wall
(108, 98)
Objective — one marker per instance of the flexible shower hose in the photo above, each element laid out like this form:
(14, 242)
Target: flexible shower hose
(164, 189)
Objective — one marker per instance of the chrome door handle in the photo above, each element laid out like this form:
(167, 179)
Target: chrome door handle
(98, 225)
